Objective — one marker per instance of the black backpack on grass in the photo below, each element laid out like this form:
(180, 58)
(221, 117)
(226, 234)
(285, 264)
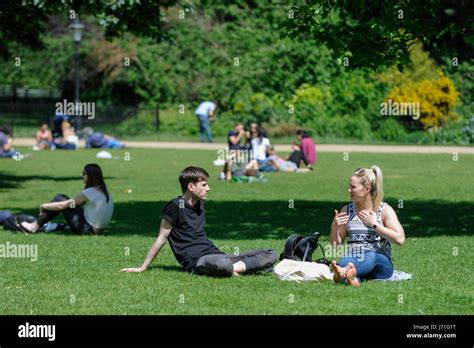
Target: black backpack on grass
(301, 248)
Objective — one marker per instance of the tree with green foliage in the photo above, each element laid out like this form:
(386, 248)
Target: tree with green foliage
(23, 22)
(377, 34)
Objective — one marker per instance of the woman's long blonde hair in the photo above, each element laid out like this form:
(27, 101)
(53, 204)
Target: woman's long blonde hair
(372, 177)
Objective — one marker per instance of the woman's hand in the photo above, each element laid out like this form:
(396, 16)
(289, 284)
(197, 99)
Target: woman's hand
(367, 218)
(41, 209)
(341, 219)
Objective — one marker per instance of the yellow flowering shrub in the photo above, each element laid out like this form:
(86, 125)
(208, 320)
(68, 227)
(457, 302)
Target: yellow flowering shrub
(437, 100)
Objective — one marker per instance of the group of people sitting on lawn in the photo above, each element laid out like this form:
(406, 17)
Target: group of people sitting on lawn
(251, 153)
(64, 137)
(369, 224)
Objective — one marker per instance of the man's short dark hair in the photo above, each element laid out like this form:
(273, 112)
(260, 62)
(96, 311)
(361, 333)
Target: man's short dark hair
(192, 175)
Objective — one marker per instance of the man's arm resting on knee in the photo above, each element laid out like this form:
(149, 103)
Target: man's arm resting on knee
(165, 230)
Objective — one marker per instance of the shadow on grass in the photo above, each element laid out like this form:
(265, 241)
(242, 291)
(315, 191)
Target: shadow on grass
(275, 220)
(15, 181)
(233, 220)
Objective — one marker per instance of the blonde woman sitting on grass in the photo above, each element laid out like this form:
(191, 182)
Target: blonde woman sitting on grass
(371, 225)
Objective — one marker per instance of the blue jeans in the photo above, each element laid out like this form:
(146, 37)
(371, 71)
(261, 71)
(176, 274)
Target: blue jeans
(113, 144)
(264, 168)
(369, 265)
(7, 154)
(204, 127)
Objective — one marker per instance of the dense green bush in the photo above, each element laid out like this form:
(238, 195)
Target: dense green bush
(258, 108)
(281, 129)
(463, 77)
(453, 134)
(143, 123)
(348, 107)
(356, 92)
(310, 105)
(418, 138)
(356, 126)
(391, 130)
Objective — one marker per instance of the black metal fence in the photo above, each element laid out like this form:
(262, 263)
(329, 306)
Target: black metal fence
(25, 113)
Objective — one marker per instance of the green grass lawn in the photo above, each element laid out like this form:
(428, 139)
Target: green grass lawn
(80, 274)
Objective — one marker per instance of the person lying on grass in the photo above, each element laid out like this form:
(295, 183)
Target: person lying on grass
(371, 225)
(95, 199)
(277, 163)
(182, 224)
(238, 166)
(6, 142)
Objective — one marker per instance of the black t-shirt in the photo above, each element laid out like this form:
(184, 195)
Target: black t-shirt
(187, 239)
(237, 146)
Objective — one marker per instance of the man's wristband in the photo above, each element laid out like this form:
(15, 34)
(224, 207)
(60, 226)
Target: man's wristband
(374, 227)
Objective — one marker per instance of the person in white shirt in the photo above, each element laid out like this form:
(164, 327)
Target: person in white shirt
(89, 212)
(205, 114)
(260, 146)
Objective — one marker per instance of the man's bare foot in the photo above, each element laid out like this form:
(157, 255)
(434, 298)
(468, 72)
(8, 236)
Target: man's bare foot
(235, 274)
(32, 227)
(351, 275)
(339, 272)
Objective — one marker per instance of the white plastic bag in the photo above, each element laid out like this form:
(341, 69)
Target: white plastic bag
(299, 271)
(104, 155)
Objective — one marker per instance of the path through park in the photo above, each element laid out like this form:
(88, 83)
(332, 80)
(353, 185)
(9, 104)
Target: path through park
(320, 147)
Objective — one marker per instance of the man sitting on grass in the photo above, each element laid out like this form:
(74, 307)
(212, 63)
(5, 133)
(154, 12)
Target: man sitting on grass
(182, 224)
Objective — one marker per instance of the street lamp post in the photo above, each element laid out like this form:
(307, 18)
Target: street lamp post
(77, 28)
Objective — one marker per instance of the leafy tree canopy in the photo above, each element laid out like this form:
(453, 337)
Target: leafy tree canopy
(23, 22)
(376, 34)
